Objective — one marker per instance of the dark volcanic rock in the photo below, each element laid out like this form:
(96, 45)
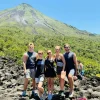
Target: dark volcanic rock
(12, 80)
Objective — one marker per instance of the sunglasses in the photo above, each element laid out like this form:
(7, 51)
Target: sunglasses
(40, 53)
(57, 49)
(31, 47)
(48, 52)
(66, 46)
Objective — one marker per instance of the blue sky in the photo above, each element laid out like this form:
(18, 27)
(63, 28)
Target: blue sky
(82, 14)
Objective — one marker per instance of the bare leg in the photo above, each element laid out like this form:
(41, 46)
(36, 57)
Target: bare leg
(40, 89)
(49, 85)
(71, 82)
(59, 76)
(61, 81)
(33, 83)
(52, 84)
(25, 84)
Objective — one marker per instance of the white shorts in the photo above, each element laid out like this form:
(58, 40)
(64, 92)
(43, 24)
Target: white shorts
(40, 79)
(72, 72)
(30, 73)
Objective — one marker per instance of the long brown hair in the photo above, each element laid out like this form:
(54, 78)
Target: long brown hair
(49, 51)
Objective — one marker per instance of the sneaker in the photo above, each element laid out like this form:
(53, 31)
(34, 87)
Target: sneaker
(35, 93)
(24, 93)
(49, 96)
(41, 98)
(71, 94)
(62, 94)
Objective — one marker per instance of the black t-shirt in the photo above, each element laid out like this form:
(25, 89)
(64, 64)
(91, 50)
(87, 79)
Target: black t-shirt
(39, 67)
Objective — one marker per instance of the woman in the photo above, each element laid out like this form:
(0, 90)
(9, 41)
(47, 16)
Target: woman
(60, 62)
(50, 73)
(39, 76)
(80, 68)
(80, 74)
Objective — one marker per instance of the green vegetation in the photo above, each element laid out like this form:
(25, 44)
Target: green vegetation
(24, 24)
(13, 43)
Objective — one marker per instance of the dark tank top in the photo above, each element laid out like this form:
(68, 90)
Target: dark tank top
(39, 67)
(59, 62)
(69, 61)
(49, 63)
(30, 64)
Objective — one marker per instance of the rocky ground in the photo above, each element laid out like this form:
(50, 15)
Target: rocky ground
(11, 84)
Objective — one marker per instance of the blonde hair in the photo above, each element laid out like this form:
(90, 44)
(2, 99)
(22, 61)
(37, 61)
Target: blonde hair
(30, 44)
(66, 45)
(40, 51)
(57, 47)
(49, 51)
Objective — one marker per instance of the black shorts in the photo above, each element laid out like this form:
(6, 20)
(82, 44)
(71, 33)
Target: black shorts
(71, 71)
(59, 69)
(50, 73)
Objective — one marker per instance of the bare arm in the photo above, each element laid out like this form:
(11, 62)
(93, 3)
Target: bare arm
(24, 61)
(81, 66)
(64, 63)
(75, 62)
(37, 56)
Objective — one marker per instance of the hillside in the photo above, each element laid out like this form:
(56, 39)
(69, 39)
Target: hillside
(32, 21)
(22, 24)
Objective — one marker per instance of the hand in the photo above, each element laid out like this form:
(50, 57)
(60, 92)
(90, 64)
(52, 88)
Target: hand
(75, 77)
(63, 74)
(76, 73)
(25, 71)
(62, 70)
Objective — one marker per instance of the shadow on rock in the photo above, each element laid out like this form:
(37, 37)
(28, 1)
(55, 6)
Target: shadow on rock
(22, 99)
(59, 97)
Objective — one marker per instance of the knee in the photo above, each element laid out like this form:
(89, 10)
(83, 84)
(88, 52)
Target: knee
(52, 82)
(48, 83)
(70, 77)
(39, 87)
(26, 80)
(62, 80)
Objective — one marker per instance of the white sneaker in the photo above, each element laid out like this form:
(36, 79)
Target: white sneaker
(71, 94)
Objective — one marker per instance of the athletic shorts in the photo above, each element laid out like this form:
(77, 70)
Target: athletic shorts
(39, 79)
(30, 73)
(59, 69)
(72, 72)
